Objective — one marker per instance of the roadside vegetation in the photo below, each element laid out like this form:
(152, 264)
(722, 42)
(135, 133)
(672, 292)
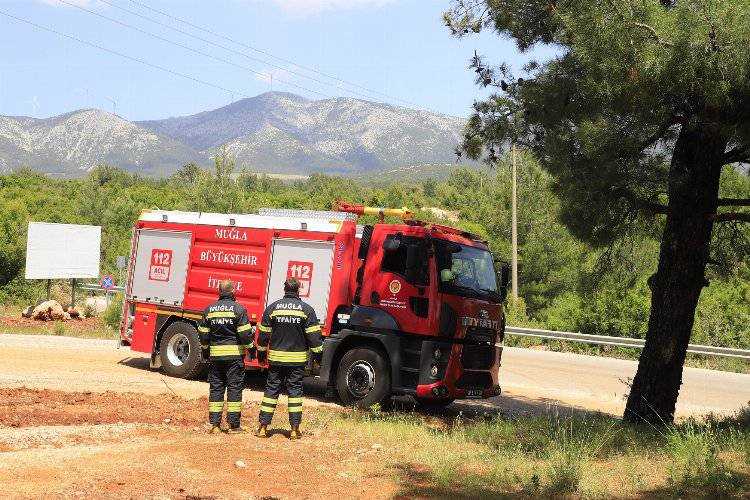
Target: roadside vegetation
(586, 455)
(564, 284)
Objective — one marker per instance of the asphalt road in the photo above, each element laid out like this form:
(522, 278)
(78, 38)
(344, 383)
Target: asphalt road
(598, 383)
(532, 381)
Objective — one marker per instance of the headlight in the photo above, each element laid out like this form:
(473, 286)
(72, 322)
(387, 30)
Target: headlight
(437, 354)
(434, 371)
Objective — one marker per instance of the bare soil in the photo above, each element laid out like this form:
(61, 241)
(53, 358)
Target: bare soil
(68, 444)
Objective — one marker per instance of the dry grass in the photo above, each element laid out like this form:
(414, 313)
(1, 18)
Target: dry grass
(553, 456)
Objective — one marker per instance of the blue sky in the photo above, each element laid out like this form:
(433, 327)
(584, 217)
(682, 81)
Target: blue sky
(397, 47)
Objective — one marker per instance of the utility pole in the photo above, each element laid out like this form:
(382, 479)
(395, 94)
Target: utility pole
(514, 228)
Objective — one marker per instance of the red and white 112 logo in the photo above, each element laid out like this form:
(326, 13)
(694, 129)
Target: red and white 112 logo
(161, 264)
(302, 272)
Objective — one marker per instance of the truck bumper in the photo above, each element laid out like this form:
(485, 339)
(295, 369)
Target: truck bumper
(471, 372)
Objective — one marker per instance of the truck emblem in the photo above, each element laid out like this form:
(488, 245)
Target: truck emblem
(484, 314)
(394, 286)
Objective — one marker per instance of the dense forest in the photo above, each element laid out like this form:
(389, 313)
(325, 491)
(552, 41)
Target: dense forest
(564, 283)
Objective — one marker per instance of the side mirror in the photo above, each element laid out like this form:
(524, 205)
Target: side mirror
(504, 275)
(416, 260)
(391, 244)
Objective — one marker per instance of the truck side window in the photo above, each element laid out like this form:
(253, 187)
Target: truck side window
(396, 261)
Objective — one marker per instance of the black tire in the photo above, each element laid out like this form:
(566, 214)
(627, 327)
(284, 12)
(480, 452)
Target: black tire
(433, 405)
(180, 351)
(363, 378)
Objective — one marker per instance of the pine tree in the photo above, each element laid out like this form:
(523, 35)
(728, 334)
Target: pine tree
(635, 116)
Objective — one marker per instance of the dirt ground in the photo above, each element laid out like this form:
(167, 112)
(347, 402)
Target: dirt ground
(70, 444)
(80, 417)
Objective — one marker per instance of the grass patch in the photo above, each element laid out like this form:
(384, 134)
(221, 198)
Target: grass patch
(552, 456)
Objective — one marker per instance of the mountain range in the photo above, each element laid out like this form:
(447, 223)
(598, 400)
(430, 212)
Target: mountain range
(275, 132)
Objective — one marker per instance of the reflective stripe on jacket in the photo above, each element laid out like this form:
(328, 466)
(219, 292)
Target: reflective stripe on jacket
(289, 329)
(225, 329)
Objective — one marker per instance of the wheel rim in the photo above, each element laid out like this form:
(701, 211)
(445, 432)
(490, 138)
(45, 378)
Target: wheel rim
(360, 378)
(178, 349)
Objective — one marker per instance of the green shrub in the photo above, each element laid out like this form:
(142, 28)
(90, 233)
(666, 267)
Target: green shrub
(113, 314)
(89, 311)
(565, 470)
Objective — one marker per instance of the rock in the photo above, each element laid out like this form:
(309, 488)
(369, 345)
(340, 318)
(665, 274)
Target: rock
(26, 313)
(240, 464)
(377, 447)
(50, 310)
(73, 312)
(167, 420)
(97, 304)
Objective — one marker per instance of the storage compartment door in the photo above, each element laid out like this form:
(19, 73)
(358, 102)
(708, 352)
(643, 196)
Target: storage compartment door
(308, 261)
(161, 266)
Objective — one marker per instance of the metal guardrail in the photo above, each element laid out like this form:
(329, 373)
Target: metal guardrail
(621, 341)
(96, 287)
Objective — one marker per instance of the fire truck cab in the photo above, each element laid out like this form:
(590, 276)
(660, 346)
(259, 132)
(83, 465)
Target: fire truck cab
(407, 308)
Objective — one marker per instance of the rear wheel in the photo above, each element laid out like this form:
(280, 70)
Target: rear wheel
(363, 378)
(180, 351)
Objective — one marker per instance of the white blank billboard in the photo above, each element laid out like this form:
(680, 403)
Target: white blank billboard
(62, 251)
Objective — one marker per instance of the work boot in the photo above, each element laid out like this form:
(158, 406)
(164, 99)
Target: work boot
(295, 434)
(237, 430)
(215, 429)
(262, 431)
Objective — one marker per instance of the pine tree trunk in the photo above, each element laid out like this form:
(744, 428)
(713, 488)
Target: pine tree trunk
(693, 196)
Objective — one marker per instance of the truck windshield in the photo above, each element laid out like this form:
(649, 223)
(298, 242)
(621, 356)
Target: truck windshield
(466, 271)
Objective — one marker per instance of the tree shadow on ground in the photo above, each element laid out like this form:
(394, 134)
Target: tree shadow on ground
(417, 482)
(506, 405)
(720, 484)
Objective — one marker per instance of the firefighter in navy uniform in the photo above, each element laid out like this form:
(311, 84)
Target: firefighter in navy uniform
(225, 333)
(289, 329)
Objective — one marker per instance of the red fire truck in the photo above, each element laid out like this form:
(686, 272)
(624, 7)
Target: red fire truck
(407, 308)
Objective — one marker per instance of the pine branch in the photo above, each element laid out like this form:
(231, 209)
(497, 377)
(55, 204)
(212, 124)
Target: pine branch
(732, 217)
(734, 202)
(653, 32)
(740, 154)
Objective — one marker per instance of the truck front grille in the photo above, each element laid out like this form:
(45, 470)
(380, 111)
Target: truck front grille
(477, 357)
(475, 334)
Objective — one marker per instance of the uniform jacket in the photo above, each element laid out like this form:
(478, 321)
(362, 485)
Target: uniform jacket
(288, 329)
(225, 329)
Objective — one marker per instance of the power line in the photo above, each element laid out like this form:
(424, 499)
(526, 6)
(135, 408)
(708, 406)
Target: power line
(187, 47)
(268, 54)
(120, 54)
(229, 49)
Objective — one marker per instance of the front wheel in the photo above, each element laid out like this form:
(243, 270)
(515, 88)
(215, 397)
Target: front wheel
(363, 378)
(180, 351)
